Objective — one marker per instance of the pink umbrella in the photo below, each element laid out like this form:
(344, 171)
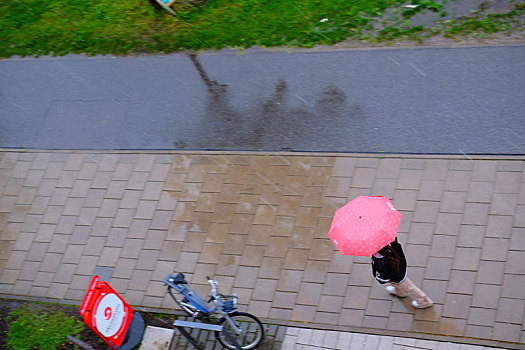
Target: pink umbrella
(365, 225)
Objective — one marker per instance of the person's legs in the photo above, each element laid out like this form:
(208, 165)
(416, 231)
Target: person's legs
(407, 287)
(397, 289)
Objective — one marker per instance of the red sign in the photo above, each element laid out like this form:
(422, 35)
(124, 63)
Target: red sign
(106, 313)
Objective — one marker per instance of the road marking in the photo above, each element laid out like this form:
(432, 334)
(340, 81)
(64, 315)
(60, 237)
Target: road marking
(417, 70)
(393, 60)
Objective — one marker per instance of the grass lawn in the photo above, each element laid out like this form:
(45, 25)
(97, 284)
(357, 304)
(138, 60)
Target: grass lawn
(42, 27)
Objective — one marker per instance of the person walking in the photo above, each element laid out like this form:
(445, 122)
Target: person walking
(389, 266)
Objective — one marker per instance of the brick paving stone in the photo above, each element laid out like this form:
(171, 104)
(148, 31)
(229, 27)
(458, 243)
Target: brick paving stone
(361, 275)
(284, 300)
(495, 249)
(484, 170)
(448, 224)
(170, 251)
(452, 326)
(18, 213)
(87, 171)
(503, 204)
(335, 284)
(421, 233)
(466, 259)
(490, 272)
(53, 213)
(460, 164)
(94, 246)
(417, 254)
(227, 265)
(443, 246)
(58, 243)
(72, 254)
(386, 187)
(109, 256)
(86, 265)
(340, 263)
(377, 307)
(309, 293)
(486, 295)
(329, 303)
(211, 253)
(480, 192)
(517, 241)
(137, 279)
(507, 182)
(351, 317)
(400, 321)
(457, 180)
(57, 290)
(23, 242)
(87, 216)
(31, 223)
(116, 237)
(296, 259)
(409, 179)
(264, 289)
(94, 198)
(510, 310)
(438, 268)
(147, 259)
(475, 213)
(375, 322)
(363, 178)
(462, 282)
(65, 273)
(290, 280)
(514, 264)
(430, 190)
(457, 305)
(11, 231)
(509, 332)
(356, 297)
(124, 217)
(29, 270)
(499, 226)
(405, 199)
(50, 262)
(426, 211)
(513, 286)
(453, 202)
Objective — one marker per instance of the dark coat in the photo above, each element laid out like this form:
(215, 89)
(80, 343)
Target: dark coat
(383, 270)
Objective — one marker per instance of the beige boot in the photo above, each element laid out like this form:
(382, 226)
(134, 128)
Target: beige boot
(407, 287)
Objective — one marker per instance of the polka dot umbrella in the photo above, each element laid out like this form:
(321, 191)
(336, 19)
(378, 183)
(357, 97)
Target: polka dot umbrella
(365, 225)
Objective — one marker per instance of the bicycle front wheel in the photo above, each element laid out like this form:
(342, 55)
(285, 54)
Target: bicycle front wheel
(252, 331)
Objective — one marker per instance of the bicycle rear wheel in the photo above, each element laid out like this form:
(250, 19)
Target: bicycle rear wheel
(252, 331)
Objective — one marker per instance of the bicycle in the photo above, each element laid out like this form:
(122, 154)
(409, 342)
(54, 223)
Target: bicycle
(245, 328)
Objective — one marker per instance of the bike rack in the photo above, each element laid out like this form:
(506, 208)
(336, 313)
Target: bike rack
(210, 327)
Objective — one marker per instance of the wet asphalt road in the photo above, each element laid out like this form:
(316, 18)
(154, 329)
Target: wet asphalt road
(428, 100)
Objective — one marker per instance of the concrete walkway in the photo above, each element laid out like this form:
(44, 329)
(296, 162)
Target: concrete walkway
(258, 223)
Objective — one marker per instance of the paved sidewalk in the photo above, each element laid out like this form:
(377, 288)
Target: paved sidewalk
(259, 223)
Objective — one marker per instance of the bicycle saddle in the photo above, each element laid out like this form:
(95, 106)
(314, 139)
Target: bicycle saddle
(179, 279)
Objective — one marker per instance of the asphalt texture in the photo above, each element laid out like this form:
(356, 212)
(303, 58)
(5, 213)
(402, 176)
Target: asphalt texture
(468, 100)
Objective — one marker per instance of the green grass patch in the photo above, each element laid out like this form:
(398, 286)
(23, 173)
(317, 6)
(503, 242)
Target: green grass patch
(489, 24)
(42, 27)
(37, 327)
(58, 27)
